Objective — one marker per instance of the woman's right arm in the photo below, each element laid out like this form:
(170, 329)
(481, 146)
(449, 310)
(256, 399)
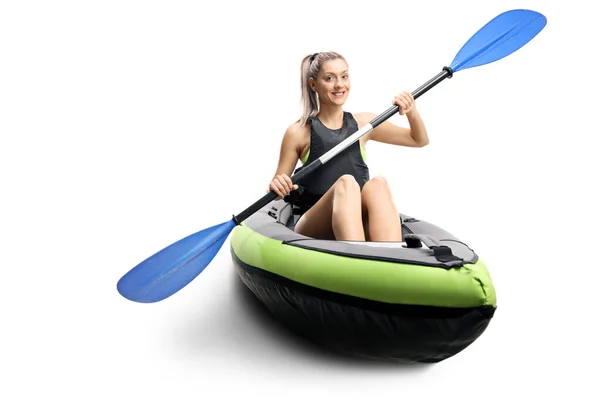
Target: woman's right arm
(289, 154)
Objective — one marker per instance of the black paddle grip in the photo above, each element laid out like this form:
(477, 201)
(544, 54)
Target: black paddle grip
(269, 197)
(266, 199)
(446, 73)
(309, 169)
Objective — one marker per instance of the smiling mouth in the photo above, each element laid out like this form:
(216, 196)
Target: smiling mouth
(338, 94)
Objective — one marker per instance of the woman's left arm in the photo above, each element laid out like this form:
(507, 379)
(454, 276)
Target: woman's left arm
(386, 132)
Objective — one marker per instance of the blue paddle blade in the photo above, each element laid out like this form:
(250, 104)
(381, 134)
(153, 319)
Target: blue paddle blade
(500, 37)
(172, 268)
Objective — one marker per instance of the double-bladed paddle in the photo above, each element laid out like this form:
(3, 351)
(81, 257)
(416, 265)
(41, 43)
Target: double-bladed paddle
(168, 271)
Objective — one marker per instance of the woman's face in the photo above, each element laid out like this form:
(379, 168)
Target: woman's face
(333, 82)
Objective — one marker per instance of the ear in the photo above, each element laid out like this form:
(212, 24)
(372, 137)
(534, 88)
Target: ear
(311, 83)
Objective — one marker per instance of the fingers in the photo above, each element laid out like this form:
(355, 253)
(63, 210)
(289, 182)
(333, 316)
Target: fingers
(277, 187)
(405, 102)
(282, 185)
(290, 185)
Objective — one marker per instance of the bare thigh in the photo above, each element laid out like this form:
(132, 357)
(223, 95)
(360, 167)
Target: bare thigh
(316, 222)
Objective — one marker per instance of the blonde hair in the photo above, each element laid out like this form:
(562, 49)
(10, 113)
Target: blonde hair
(310, 68)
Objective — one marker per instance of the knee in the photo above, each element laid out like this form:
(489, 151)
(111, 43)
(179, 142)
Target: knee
(347, 184)
(377, 186)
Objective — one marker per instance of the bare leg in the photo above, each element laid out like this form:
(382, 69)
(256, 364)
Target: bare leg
(380, 216)
(337, 215)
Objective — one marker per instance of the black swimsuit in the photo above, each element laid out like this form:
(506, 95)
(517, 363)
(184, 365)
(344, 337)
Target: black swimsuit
(350, 161)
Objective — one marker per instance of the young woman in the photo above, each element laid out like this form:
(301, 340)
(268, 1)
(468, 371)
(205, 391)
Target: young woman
(339, 201)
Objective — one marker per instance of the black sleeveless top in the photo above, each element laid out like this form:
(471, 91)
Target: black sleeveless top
(349, 161)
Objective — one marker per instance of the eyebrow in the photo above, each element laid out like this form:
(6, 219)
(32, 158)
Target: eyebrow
(329, 72)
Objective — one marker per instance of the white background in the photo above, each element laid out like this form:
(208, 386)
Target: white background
(128, 125)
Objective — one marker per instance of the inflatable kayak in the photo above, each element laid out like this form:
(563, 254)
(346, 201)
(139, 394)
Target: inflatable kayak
(422, 300)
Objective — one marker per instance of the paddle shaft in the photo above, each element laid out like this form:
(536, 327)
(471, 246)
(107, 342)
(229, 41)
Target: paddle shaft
(313, 166)
(172, 268)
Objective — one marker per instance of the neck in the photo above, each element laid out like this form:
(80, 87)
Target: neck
(332, 116)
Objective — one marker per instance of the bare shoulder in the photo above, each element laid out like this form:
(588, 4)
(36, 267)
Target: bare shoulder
(296, 129)
(297, 136)
(362, 119)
